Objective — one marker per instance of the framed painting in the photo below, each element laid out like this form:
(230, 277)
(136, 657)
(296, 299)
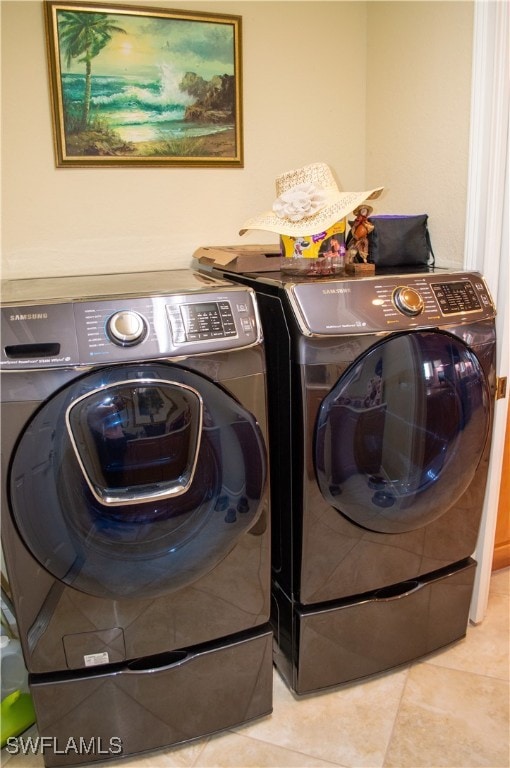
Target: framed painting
(139, 86)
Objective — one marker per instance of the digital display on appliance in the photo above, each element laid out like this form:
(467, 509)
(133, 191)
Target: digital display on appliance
(456, 298)
(201, 321)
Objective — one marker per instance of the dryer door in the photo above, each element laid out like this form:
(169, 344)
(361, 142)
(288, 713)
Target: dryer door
(400, 435)
(137, 480)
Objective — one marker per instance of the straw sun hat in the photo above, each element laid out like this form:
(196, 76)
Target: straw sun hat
(308, 202)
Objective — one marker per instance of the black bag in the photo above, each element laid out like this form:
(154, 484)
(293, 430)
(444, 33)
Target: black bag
(399, 240)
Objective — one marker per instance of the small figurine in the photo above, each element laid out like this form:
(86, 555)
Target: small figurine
(361, 227)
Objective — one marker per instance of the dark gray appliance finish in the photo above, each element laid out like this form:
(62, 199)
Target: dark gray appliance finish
(136, 513)
(380, 415)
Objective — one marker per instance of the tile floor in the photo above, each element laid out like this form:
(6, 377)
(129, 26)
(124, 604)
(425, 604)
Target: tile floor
(450, 710)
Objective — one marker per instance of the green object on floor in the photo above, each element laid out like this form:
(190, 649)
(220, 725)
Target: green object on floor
(17, 713)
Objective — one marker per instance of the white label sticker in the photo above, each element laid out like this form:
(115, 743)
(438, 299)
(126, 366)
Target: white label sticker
(94, 659)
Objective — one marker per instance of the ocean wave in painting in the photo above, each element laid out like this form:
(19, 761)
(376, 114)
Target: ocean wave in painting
(139, 109)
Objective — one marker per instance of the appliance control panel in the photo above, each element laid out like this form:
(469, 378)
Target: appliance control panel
(204, 321)
(392, 302)
(126, 329)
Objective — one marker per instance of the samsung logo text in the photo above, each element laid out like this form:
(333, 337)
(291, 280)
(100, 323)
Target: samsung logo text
(31, 316)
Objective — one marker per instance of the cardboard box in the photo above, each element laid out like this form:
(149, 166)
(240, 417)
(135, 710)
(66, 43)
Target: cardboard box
(240, 258)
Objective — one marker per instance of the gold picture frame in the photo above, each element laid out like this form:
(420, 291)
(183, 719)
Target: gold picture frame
(140, 86)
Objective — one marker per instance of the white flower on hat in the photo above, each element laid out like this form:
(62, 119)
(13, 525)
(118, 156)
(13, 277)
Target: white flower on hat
(299, 202)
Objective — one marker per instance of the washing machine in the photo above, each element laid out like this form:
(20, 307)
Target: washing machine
(135, 507)
(381, 397)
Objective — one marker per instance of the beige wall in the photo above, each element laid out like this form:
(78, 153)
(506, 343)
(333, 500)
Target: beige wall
(310, 70)
(419, 58)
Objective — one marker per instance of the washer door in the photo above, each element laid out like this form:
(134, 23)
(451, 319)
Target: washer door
(137, 480)
(400, 435)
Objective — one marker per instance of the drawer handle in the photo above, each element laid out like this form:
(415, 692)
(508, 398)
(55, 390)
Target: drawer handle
(396, 591)
(27, 351)
(158, 661)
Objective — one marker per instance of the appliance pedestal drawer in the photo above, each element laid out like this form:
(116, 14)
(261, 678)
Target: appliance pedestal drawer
(386, 628)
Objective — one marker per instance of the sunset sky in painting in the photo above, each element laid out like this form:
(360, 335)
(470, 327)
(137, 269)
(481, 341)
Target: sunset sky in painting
(205, 48)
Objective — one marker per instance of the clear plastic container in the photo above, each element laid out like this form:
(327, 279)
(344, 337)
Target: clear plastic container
(325, 266)
(14, 673)
(320, 255)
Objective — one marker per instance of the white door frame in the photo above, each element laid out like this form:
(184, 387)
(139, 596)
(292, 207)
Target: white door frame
(487, 244)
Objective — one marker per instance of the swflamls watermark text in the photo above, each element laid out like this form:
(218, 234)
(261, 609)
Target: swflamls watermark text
(19, 745)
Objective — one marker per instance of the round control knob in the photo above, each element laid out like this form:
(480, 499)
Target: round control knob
(126, 327)
(408, 301)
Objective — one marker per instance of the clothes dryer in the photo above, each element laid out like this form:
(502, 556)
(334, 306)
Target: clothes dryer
(135, 523)
(381, 399)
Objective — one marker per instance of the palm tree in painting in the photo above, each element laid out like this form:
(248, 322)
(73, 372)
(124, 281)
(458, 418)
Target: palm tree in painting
(82, 36)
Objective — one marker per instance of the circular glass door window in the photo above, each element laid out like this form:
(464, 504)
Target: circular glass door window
(399, 437)
(137, 480)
